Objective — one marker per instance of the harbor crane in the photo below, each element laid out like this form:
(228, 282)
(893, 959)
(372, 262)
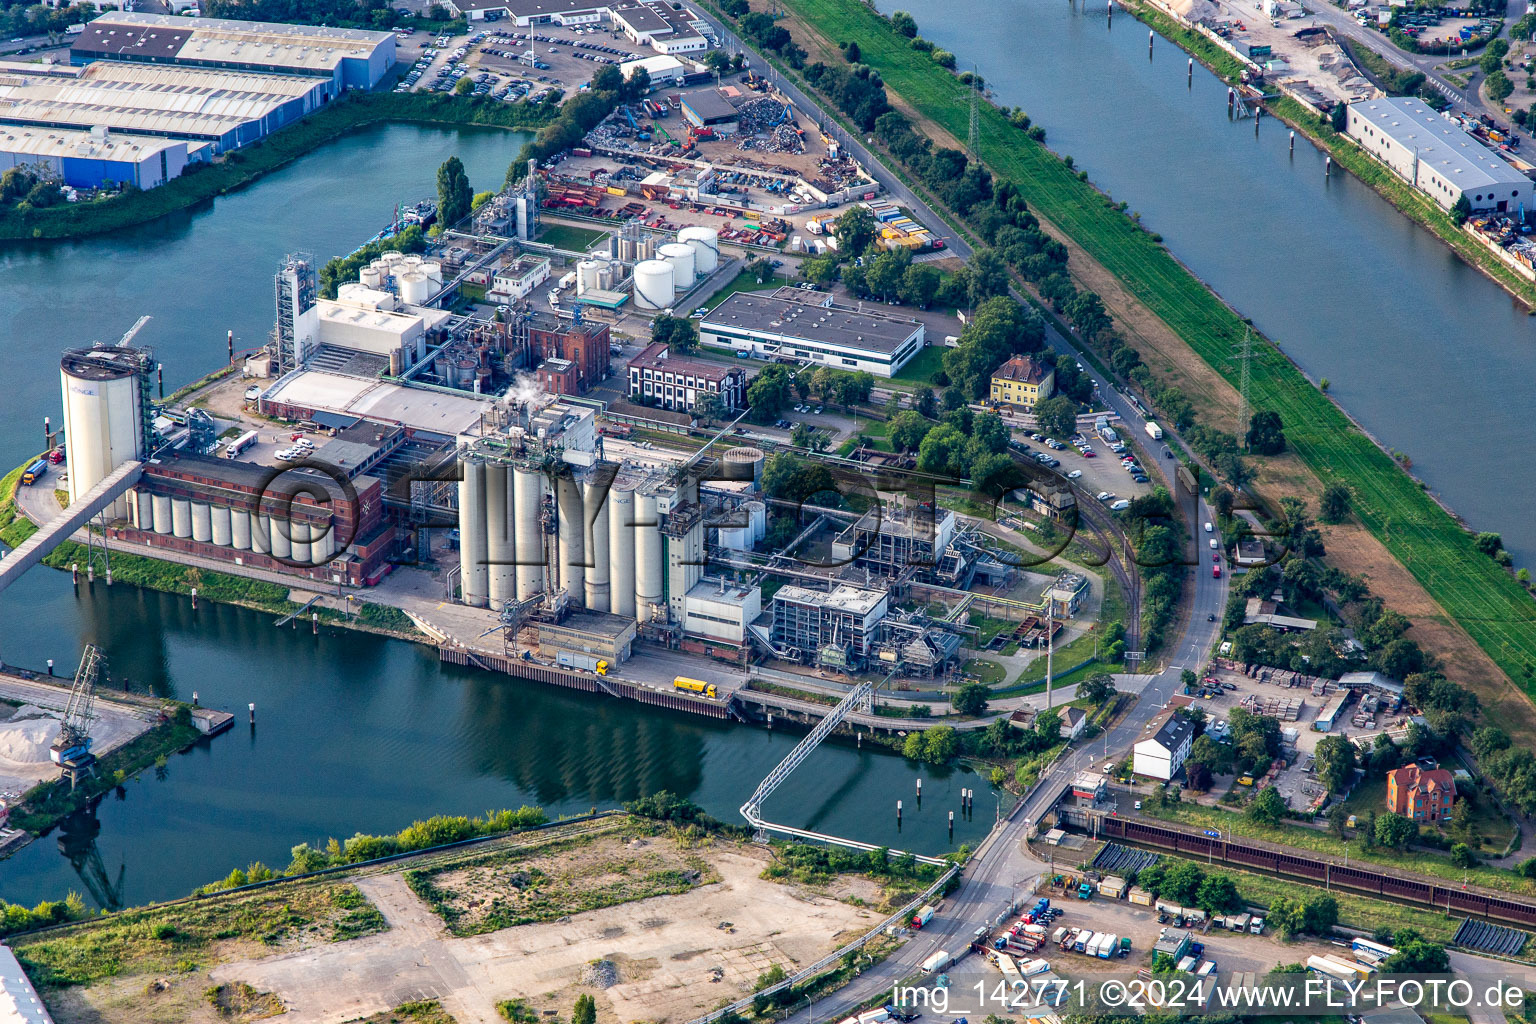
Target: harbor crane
(72, 750)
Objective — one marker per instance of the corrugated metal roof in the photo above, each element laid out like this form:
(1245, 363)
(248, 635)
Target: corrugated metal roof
(310, 47)
(28, 140)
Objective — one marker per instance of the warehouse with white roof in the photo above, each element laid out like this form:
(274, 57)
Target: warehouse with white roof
(1434, 155)
(97, 157)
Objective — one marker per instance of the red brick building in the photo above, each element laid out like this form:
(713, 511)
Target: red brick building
(586, 345)
(1421, 794)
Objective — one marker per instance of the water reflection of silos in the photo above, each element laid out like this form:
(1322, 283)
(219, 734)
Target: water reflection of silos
(621, 548)
(595, 502)
(528, 487)
(500, 554)
(473, 573)
(572, 540)
(648, 561)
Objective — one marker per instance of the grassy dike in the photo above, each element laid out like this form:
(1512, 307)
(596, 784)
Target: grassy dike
(1485, 600)
(241, 167)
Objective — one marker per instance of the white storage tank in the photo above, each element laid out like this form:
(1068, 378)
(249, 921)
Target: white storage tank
(240, 529)
(589, 275)
(411, 262)
(181, 518)
(654, 287)
(160, 513)
(102, 418)
(501, 570)
(648, 559)
(261, 533)
(282, 538)
(370, 276)
(680, 255)
(392, 257)
(737, 538)
(705, 243)
(621, 549)
(528, 488)
(433, 270)
(473, 540)
(758, 513)
(415, 287)
(298, 542)
(202, 522)
(595, 500)
(143, 511)
(572, 545)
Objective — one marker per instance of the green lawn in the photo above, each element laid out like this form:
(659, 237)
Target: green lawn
(1494, 609)
(744, 282)
(989, 672)
(1496, 830)
(566, 236)
(923, 365)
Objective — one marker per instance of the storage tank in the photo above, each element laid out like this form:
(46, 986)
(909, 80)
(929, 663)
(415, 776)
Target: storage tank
(103, 424)
(758, 512)
(433, 270)
(572, 567)
(528, 487)
(589, 275)
(594, 497)
(645, 249)
(501, 579)
(743, 464)
(648, 559)
(240, 529)
(473, 542)
(737, 538)
(611, 274)
(654, 287)
(282, 538)
(705, 242)
(202, 522)
(680, 255)
(621, 549)
(411, 262)
(142, 509)
(322, 543)
(261, 533)
(392, 258)
(415, 287)
(181, 518)
(298, 542)
(371, 276)
(221, 526)
(160, 513)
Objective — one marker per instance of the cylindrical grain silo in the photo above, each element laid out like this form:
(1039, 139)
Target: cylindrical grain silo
(240, 529)
(202, 522)
(621, 548)
(261, 533)
(415, 287)
(473, 574)
(143, 509)
(528, 485)
(743, 464)
(653, 284)
(572, 567)
(181, 517)
(160, 510)
(322, 543)
(706, 248)
(501, 583)
(648, 559)
(595, 506)
(298, 541)
(103, 421)
(221, 526)
(282, 537)
(680, 255)
(759, 514)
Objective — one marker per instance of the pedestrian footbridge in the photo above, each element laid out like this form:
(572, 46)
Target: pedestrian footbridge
(63, 526)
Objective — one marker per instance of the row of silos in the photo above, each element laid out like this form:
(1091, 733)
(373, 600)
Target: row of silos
(501, 537)
(413, 276)
(676, 266)
(302, 542)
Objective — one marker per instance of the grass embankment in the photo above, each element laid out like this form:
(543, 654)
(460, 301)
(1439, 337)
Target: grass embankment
(188, 937)
(1486, 601)
(240, 168)
(1326, 843)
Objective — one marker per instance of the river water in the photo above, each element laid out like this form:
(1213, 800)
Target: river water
(1430, 356)
(355, 733)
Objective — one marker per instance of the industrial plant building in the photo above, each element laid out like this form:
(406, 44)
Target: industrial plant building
(97, 157)
(1435, 156)
(656, 378)
(771, 327)
(664, 27)
(345, 58)
(900, 542)
(836, 627)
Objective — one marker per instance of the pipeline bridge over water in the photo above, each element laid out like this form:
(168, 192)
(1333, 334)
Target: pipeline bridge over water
(63, 526)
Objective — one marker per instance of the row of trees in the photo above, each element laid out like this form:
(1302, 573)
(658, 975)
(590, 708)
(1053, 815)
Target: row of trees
(1157, 538)
(29, 188)
(1183, 882)
(369, 14)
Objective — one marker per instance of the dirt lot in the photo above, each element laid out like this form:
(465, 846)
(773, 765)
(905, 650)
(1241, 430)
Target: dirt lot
(666, 958)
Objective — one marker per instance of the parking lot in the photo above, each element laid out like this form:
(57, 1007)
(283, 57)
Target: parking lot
(1100, 475)
(512, 64)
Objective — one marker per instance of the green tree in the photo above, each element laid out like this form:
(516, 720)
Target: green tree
(768, 393)
(906, 430)
(943, 451)
(1334, 505)
(1417, 957)
(1268, 807)
(855, 231)
(971, 699)
(819, 270)
(1265, 433)
(708, 408)
(1057, 416)
(1215, 756)
(939, 744)
(1499, 86)
(1395, 831)
(852, 54)
(989, 275)
(1462, 209)
(454, 195)
(463, 86)
(905, 24)
(1335, 762)
(1181, 882)
(920, 285)
(1217, 895)
(585, 1010)
(1097, 688)
(1339, 117)
(677, 333)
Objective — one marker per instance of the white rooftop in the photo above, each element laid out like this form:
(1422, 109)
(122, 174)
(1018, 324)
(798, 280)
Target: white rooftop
(842, 598)
(38, 141)
(1443, 145)
(303, 47)
(418, 408)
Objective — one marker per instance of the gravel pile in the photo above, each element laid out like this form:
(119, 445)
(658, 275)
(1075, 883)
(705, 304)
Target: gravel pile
(599, 974)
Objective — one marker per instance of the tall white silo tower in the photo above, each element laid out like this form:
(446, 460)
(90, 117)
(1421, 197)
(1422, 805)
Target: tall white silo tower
(107, 418)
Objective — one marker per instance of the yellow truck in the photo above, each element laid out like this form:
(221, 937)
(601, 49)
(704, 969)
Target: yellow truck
(695, 686)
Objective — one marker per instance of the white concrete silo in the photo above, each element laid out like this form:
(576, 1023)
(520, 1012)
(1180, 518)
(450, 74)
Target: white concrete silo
(501, 554)
(758, 512)
(706, 248)
(595, 505)
(142, 510)
(572, 567)
(219, 514)
(298, 542)
(322, 543)
(282, 537)
(103, 418)
(181, 518)
(240, 529)
(654, 288)
(202, 522)
(648, 558)
(528, 486)
(473, 542)
(160, 510)
(621, 548)
(261, 533)
(415, 287)
(680, 255)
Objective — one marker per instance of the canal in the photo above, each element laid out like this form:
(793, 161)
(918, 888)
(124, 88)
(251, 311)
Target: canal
(355, 733)
(1430, 356)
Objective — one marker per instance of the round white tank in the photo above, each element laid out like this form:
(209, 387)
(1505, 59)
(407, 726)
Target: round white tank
(648, 561)
(706, 247)
(611, 274)
(653, 284)
(680, 255)
(143, 511)
(282, 538)
(181, 518)
(758, 512)
(415, 287)
(392, 257)
(298, 543)
(588, 276)
(412, 261)
(261, 533)
(202, 522)
(102, 417)
(221, 525)
(370, 276)
(473, 541)
(501, 583)
(528, 485)
(322, 543)
(572, 538)
(737, 538)
(160, 509)
(595, 502)
(433, 270)
(240, 529)
(621, 549)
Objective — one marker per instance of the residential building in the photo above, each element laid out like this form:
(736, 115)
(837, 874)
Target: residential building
(1161, 755)
(1073, 721)
(1023, 382)
(794, 330)
(1435, 155)
(1421, 794)
(677, 383)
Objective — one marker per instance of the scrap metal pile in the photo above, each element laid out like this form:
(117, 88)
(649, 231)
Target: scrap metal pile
(762, 116)
(782, 139)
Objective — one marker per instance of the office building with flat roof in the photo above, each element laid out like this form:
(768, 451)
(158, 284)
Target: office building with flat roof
(769, 327)
(1435, 155)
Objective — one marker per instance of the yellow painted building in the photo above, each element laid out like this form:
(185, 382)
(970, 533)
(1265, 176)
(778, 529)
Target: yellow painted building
(1023, 382)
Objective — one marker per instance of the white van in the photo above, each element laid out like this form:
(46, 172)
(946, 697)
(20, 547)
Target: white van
(1208, 528)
